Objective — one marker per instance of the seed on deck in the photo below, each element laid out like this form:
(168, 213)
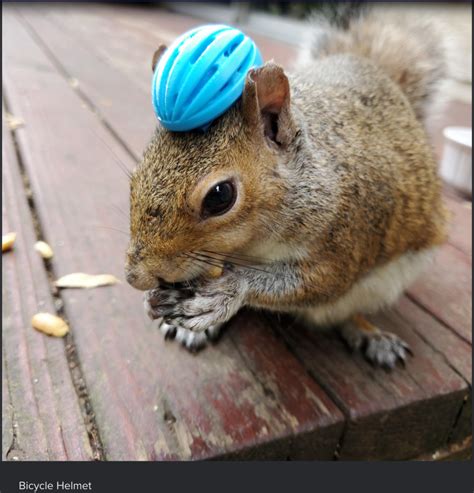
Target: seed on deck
(50, 324)
(83, 280)
(7, 241)
(44, 249)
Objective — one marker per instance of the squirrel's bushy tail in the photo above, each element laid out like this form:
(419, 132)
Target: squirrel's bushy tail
(409, 48)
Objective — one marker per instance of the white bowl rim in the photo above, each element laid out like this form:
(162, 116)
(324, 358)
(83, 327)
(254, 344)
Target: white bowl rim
(459, 135)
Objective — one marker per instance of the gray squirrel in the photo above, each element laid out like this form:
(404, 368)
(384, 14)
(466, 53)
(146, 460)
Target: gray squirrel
(316, 194)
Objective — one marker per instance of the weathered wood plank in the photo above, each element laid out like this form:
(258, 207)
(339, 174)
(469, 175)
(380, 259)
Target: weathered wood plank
(7, 412)
(460, 225)
(129, 112)
(42, 419)
(455, 351)
(131, 52)
(152, 399)
(394, 415)
(445, 290)
(455, 452)
(158, 24)
(279, 375)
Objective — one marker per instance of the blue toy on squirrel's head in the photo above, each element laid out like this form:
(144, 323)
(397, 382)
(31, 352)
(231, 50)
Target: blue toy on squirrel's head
(201, 75)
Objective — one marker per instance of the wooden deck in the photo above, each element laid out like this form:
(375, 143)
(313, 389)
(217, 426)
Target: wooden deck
(113, 389)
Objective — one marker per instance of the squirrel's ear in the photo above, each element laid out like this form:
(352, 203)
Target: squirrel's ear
(156, 56)
(266, 102)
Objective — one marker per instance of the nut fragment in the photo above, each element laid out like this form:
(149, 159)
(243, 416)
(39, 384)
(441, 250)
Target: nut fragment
(50, 324)
(74, 83)
(7, 241)
(82, 280)
(215, 271)
(44, 249)
(12, 121)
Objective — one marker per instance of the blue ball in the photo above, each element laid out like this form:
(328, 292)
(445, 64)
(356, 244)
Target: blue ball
(201, 75)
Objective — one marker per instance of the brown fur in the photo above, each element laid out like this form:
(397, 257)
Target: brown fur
(349, 179)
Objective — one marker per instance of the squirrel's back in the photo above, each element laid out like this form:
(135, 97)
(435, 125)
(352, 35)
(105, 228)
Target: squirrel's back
(365, 92)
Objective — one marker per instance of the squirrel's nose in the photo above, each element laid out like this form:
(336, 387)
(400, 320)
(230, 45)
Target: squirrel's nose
(140, 279)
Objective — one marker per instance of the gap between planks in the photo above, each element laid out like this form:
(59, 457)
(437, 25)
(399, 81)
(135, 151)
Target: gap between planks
(450, 438)
(320, 381)
(426, 309)
(11, 432)
(74, 364)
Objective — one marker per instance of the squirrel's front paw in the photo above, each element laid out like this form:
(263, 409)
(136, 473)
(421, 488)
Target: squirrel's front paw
(212, 304)
(159, 302)
(193, 341)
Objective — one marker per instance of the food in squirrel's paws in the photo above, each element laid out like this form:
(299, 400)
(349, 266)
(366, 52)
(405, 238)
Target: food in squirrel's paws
(215, 272)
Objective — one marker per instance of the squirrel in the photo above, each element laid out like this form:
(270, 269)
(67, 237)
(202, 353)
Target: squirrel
(316, 192)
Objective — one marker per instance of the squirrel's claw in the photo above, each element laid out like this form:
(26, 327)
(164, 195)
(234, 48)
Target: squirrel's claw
(385, 349)
(381, 348)
(167, 329)
(194, 317)
(192, 341)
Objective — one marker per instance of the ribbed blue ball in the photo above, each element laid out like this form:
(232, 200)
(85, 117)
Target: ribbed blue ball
(201, 75)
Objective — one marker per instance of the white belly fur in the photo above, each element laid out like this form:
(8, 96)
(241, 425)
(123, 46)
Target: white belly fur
(380, 288)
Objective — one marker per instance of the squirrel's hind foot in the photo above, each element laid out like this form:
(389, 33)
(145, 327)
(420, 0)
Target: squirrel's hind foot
(381, 348)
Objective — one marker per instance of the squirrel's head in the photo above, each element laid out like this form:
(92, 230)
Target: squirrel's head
(197, 196)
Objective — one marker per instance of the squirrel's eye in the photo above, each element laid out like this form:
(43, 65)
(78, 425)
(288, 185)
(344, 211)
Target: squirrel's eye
(219, 199)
